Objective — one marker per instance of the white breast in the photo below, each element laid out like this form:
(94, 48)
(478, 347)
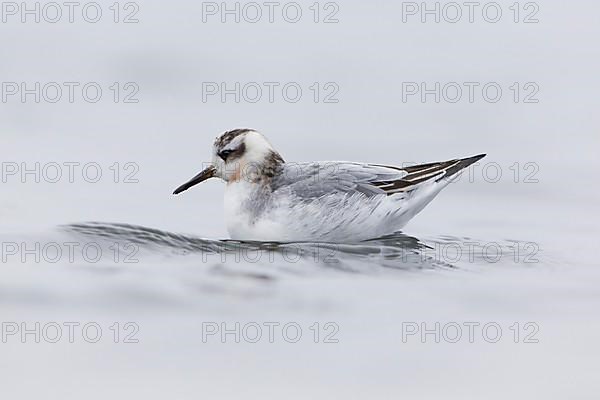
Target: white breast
(243, 223)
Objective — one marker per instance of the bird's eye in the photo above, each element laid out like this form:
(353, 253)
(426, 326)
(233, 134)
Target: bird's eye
(224, 154)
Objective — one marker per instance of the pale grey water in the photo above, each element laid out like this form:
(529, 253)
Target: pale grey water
(541, 213)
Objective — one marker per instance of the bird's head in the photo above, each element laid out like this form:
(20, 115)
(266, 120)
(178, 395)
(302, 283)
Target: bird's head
(238, 154)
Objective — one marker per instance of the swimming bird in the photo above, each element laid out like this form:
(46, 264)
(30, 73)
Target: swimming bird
(268, 199)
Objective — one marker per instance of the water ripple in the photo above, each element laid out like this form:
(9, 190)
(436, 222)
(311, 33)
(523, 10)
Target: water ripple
(398, 251)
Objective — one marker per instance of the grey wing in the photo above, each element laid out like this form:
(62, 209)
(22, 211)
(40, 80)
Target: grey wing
(312, 180)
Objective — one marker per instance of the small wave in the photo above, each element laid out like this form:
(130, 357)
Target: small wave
(397, 251)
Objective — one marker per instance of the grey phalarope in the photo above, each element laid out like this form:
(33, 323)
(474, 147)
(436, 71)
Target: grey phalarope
(268, 199)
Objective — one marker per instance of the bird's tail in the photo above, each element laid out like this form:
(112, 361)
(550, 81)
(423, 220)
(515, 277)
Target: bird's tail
(424, 182)
(455, 166)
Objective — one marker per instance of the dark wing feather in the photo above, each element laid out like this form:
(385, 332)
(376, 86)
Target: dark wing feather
(417, 174)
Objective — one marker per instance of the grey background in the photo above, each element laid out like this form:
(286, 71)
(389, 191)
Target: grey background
(368, 54)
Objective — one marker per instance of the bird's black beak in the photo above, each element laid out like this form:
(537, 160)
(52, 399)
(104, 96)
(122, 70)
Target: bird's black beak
(202, 176)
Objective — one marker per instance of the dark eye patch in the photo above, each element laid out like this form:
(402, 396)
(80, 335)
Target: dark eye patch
(229, 154)
(224, 154)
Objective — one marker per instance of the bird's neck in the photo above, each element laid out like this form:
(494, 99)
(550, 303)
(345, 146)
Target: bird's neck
(272, 164)
(258, 172)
